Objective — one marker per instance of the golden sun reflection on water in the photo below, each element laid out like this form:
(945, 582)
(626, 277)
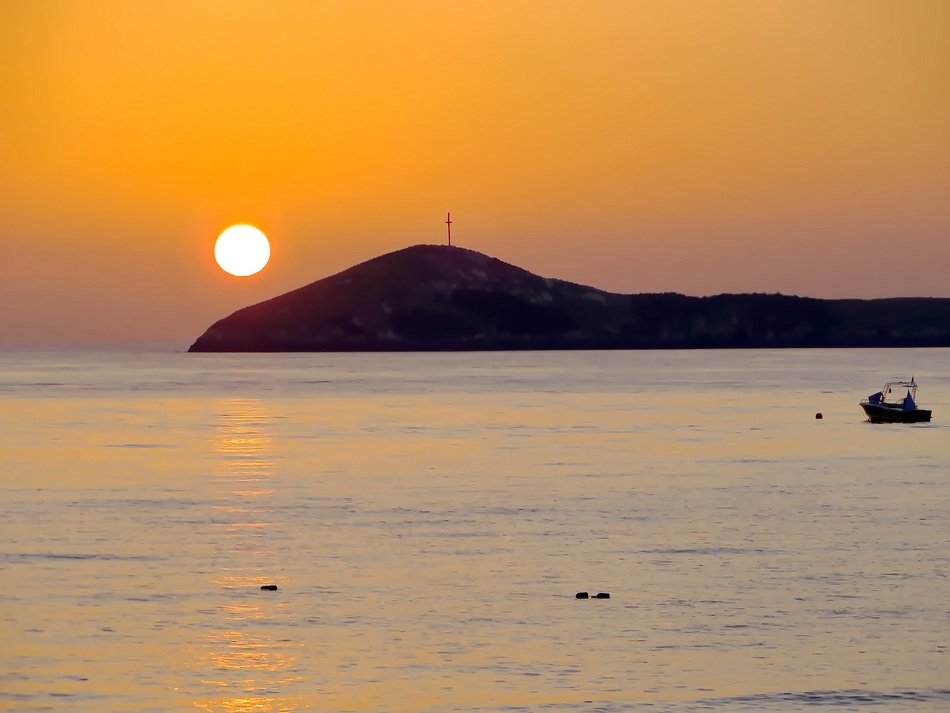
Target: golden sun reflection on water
(240, 655)
(256, 671)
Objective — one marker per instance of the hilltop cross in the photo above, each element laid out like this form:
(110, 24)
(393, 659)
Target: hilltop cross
(448, 223)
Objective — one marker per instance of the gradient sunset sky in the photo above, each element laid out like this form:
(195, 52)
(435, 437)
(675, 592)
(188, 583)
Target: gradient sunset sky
(699, 147)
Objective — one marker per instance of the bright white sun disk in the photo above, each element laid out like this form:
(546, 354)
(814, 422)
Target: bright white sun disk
(242, 250)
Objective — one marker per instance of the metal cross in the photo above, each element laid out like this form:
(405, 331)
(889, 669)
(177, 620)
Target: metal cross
(448, 222)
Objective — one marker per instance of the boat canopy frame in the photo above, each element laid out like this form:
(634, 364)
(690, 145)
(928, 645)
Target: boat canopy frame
(892, 393)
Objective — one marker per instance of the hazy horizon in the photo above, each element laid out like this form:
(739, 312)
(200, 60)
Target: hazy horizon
(182, 343)
(786, 147)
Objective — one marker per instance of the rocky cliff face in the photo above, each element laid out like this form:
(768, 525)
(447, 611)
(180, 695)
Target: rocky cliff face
(436, 297)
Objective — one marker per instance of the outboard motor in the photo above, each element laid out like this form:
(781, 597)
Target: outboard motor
(909, 404)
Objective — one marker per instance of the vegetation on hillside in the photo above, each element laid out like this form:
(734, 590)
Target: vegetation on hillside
(430, 297)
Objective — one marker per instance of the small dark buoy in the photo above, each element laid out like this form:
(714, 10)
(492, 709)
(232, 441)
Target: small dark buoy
(269, 587)
(602, 595)
(582, 595)
(819, 416)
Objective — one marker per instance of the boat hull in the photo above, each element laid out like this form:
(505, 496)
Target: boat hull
(889, 414)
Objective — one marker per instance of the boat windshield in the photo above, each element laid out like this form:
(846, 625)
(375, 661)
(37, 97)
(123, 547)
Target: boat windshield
(900, 392)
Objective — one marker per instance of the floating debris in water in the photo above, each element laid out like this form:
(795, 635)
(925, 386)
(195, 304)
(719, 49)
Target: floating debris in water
(582, 595)
(819, 416)
(602, 595)
(269, 587)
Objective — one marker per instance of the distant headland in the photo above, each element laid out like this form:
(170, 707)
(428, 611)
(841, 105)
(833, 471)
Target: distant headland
(442, 298)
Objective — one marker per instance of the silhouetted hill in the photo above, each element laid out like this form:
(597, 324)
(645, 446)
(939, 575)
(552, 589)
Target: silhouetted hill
(436, 297)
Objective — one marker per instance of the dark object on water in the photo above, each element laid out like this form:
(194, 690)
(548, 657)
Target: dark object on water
(269, 587)
(582, 595)
(888, 406)
(819, 416)
(602, 595)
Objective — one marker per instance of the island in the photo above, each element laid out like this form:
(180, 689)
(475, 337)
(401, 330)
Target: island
(445, 298)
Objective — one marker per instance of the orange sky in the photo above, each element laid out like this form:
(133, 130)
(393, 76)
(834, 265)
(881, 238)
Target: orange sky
(698, 147)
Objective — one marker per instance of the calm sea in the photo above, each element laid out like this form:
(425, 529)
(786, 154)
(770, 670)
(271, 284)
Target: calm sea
(428, 519)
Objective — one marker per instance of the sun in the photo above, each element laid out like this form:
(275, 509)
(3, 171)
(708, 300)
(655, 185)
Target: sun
(242, 250)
